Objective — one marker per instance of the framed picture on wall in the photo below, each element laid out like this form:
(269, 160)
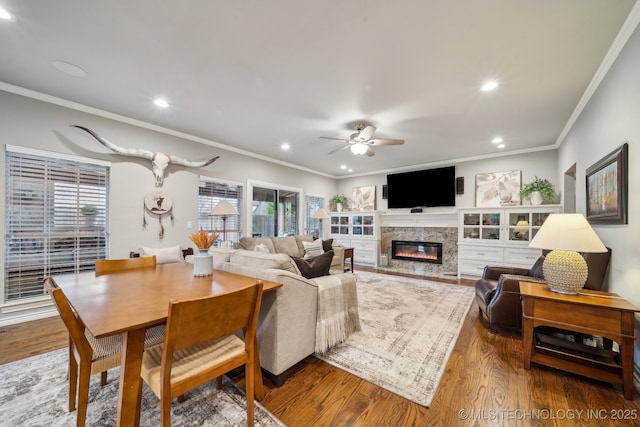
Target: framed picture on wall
(607, 188)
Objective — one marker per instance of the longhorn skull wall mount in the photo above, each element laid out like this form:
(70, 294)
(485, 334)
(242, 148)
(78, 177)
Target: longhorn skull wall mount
(159, 161)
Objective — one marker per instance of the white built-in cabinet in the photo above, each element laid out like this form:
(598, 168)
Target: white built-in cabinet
(499, 236)
(358, 230)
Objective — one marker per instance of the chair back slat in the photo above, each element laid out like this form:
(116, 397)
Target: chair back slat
(72, 322)
(106, 266)
(200, 320)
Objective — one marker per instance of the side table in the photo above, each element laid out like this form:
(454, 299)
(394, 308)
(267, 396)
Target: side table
(591, 312)
(348, 254)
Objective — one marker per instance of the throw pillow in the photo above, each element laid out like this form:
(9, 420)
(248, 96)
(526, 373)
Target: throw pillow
(327, 245)
(261, 248)
(536, 270)
(314, 267)
(312, 249)
(163, 255)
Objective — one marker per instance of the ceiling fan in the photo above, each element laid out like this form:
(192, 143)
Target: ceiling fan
(361, 141)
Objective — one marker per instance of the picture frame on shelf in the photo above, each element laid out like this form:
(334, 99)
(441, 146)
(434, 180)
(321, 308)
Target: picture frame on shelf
(606, 182)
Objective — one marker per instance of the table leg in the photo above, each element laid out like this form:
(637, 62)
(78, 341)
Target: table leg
(626, 356)
(130, 390)
(351, 263)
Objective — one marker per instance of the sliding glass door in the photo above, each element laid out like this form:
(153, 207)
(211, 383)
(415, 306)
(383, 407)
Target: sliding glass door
(274, 212)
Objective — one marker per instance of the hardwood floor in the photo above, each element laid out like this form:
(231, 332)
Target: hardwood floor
(484, 385)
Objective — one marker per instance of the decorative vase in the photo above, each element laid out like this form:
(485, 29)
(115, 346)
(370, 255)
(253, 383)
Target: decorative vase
(536, 198)
(339, 207)
(203, 263)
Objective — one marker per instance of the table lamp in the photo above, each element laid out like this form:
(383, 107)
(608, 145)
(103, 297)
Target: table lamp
(320, 214)
(223, 209)
(566, 234)
(521, 229)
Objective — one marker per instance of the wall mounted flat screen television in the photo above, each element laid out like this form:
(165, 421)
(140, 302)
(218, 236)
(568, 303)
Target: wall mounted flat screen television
(423, 188)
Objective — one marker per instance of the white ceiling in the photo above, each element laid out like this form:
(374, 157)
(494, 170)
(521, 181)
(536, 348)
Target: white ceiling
(254, 74)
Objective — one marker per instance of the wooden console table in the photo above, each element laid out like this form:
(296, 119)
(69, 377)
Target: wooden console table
(348, 253)
(590, 312)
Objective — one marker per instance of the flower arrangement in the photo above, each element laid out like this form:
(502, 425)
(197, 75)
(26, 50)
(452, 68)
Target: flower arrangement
(546, 188)
(202, 239)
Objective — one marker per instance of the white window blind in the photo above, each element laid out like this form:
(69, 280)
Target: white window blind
(311, 205)
(209, 194)
(57, 212)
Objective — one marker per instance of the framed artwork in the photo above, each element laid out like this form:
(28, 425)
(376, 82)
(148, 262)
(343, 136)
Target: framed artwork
(607, 188)
(364, 198)
(498, 188)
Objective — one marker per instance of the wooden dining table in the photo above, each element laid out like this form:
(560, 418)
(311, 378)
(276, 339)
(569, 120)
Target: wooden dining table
(130, 301)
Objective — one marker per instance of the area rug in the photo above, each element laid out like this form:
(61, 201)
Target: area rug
(409, 329)
(34, 392)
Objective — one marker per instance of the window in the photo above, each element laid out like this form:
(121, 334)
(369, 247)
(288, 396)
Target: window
(57, 211)
(311, 205)
(274, 212)
(209, 194)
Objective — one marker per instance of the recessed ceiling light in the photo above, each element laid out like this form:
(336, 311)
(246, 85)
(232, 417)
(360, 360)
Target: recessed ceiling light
(6, 15)
(496, 140)
(350, 170)
(285, 146)
(69, 68)
(343, 167)
(161, 102)
(501, 146)
(489, 85)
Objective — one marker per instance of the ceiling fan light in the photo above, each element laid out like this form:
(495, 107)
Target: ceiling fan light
(358, 148)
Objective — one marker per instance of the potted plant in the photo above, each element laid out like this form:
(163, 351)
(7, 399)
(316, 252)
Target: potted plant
(338, 201)
(538, 189)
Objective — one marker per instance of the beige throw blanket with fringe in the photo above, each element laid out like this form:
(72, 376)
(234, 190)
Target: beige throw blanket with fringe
(338, 316)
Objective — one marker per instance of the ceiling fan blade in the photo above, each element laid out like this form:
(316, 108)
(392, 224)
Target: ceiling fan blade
(370, 152)
(386, 142)
(338, 149)
(334, 139)
(366, 133)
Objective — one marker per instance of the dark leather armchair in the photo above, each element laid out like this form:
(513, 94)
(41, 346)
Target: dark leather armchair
(498, 291)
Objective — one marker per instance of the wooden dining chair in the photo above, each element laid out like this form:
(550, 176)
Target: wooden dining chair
(106, 266)
(200, 345)
(89, 355)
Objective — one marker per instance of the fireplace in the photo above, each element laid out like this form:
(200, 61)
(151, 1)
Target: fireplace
(417, 251)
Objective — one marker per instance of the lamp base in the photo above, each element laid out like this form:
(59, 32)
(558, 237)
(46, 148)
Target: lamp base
(565, 271)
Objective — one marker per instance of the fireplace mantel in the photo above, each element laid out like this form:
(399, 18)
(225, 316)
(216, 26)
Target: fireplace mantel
(425, 219)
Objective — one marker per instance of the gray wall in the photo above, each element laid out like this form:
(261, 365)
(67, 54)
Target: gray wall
(541, 164)
(36, 124)
(612, 117)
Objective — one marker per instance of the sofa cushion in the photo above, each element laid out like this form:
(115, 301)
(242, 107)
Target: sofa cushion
(163, 255)
(286, 245)
(313, 249)
(314, 267)
(250, 243)
(263, 260)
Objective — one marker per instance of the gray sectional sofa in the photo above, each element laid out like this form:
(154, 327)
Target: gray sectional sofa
(289, 316)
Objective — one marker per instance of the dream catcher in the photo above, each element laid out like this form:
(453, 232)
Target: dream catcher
(157, 203)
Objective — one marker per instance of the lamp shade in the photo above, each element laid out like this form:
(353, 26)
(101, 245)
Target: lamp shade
(223, 208)
(320, 213)
(567, 232)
